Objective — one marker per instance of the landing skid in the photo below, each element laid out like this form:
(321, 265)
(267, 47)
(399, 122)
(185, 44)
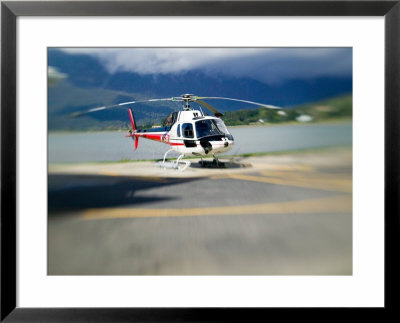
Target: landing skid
(174, 164)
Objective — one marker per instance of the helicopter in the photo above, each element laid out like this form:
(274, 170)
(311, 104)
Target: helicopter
(189, 132)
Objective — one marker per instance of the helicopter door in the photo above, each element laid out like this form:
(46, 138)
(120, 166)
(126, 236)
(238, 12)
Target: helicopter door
(187, 131)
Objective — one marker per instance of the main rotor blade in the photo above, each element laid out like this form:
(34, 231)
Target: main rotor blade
(209, 107)
(77, 114)
(238, 100)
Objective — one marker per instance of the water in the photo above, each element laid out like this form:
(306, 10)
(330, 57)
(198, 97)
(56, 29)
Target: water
(113, 146)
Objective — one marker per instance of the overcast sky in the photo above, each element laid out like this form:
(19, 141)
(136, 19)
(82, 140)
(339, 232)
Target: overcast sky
(268, 65)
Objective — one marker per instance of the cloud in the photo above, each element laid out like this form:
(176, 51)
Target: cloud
(53, 72)
(54, 75)
(269, 65)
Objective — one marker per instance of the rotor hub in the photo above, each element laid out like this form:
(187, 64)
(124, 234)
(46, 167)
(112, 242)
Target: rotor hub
(188, 98)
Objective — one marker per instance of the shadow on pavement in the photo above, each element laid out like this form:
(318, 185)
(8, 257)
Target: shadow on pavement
(77, 192)
(222, 164)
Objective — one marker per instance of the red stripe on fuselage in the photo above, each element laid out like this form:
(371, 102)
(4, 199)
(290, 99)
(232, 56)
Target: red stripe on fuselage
(150, 136)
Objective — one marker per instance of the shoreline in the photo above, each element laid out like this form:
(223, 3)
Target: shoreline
(293, 123)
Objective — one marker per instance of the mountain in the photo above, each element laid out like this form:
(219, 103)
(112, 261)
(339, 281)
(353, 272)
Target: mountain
(88, 84)
(340, 107)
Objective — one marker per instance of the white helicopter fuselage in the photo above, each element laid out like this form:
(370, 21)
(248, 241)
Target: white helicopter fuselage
(193, 134)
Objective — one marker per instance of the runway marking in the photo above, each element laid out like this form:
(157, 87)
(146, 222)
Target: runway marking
(108, 173)
(143, 178)
(335, 204)
(341, 185)
(289, 168)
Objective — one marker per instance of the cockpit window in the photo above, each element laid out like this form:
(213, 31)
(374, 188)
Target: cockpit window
(187, 129)
(178, 131)
(205, 128)
(221, 126)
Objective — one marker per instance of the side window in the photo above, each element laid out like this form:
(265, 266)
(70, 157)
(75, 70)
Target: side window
(178, 130)
(187, 129)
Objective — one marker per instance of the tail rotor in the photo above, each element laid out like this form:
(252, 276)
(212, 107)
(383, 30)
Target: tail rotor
(132, 133)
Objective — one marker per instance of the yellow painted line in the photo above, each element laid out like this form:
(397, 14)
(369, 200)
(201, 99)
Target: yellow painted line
(290, 168)
(335, 204)
(144, 178)
(342, 186)
(307, 175)
(108, 173)
(341, 182)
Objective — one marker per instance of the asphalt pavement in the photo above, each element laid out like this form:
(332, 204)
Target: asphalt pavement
(289, 214)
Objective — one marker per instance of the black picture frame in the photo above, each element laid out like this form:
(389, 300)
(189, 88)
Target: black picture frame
(10, 10)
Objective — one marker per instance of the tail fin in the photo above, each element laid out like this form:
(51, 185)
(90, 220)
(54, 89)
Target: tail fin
(133, 123)
(132, 120)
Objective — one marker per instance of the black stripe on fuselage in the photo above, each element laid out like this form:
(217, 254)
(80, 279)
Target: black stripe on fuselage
(212, 138)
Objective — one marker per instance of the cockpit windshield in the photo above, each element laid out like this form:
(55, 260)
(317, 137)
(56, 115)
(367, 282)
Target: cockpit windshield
(221, 126)
(205, 128)
(210, 127)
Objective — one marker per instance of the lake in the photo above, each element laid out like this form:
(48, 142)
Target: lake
(113, 146)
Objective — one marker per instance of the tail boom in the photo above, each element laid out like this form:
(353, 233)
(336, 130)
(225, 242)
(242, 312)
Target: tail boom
(156, 134)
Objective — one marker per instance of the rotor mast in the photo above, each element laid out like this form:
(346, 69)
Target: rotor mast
(187, 98)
